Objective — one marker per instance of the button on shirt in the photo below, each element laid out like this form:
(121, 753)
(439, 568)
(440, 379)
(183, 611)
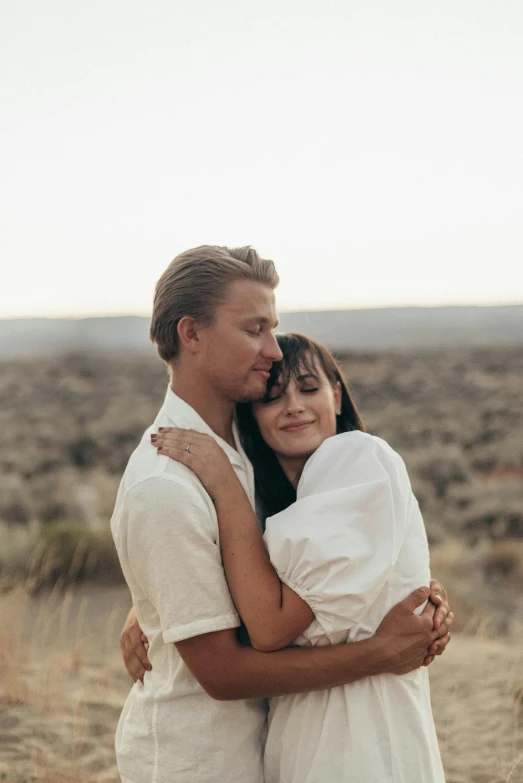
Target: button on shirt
(166, 533)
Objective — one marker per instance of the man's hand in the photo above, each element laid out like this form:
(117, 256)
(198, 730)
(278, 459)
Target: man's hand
(443, 619)
(132, 645)
(406, 636)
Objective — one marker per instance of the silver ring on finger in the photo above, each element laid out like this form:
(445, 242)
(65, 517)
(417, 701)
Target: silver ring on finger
(188, 448)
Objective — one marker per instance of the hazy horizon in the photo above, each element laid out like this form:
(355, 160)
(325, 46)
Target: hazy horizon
(81, 316)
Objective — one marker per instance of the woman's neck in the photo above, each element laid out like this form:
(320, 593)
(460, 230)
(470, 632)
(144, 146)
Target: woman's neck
(292, 467)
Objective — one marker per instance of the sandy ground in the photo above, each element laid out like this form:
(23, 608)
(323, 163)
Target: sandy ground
(62, 687)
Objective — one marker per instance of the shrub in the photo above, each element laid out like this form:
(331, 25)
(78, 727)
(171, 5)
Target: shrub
(74, 553)
(61, 552)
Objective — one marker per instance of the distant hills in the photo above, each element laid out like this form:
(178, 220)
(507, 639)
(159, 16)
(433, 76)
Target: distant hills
(398, 327)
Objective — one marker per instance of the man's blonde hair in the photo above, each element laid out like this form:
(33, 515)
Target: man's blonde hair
(195, 283)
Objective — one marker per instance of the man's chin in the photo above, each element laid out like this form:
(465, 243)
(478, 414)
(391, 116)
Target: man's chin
(250, 396)
(252, 393)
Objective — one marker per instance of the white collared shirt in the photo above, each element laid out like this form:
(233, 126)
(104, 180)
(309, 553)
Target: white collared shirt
(166, 533)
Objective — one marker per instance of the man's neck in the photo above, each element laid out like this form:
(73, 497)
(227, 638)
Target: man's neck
(215, 410)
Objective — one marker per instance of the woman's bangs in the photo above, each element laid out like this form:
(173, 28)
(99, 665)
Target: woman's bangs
(299, 358)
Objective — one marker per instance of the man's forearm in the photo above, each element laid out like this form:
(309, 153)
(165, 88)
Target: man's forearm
(227, 670)
(240, 672)
(299, 670)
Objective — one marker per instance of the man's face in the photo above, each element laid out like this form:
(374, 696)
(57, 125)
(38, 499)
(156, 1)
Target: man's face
(237, 350)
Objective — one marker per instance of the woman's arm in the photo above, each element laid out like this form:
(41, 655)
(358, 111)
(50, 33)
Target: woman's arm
(274, 615)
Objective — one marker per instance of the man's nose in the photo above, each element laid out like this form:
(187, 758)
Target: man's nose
(271, 349)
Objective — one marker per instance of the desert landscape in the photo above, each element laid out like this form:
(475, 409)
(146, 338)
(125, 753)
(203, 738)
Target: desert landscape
(68, 425)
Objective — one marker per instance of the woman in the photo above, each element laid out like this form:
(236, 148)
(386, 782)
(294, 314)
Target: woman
(345, 541)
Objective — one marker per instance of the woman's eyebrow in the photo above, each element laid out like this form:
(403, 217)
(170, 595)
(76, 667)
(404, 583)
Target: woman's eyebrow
(306, 377)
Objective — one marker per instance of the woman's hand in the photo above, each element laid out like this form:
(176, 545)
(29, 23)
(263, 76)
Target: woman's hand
(134, 651)
(201, 453)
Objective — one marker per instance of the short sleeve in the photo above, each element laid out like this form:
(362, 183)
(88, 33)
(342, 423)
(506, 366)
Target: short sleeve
(175, 558)
(337, 546)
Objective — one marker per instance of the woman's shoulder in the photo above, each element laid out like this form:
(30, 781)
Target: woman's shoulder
(349, 458)
(346, 445)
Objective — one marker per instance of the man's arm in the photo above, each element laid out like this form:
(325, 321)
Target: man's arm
(137, 663)
(226, 670)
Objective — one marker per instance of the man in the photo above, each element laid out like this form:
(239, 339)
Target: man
(201, 711)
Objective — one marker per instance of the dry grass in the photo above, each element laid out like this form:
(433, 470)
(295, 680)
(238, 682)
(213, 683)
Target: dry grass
(62, 688)
(61, 685)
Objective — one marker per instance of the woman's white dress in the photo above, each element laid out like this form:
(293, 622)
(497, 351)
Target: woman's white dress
(352, 546)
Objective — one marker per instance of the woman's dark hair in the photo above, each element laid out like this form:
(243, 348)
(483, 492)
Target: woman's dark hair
(274, 490)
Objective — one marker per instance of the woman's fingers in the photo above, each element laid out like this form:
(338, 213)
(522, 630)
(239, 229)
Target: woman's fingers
(172, 441)
(135, 668)
(182, 434)
(178, 454)
(134, 652)
(182, 440)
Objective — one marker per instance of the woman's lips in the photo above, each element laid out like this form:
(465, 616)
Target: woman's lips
(297, 427)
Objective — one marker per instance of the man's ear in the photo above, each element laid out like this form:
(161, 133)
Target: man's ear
(188, 334)
(337, 398)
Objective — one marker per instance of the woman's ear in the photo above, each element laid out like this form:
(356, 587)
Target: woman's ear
(188, 334)
(337, 398)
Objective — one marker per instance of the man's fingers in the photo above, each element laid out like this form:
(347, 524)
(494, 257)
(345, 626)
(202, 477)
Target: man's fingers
(440, 615)
(436, 588)
(433, 649)
(430, 610)
(415, 599)
(440, 633)
(438, 647)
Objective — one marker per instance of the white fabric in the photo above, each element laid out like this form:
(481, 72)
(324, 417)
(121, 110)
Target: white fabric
(166, 533)
(352, 546)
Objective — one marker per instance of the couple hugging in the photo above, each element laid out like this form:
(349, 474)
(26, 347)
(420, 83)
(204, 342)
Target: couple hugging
(276, 557)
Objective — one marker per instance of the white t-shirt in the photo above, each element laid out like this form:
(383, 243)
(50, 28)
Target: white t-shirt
(352, 546)
(166, 533)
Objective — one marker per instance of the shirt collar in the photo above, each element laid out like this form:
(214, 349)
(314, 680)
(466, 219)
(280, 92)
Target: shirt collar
(183, 415)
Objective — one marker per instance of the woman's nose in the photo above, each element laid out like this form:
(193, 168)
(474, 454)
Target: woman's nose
(294, 404)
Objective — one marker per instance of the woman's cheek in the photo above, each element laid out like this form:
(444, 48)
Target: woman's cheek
(268, 431)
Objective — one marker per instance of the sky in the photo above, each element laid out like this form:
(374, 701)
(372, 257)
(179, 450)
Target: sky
(372, 149)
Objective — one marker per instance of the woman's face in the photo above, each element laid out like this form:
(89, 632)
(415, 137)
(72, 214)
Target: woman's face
(295, 421)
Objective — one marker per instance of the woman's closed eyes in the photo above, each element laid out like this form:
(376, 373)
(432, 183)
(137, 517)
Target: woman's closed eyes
(302, 391)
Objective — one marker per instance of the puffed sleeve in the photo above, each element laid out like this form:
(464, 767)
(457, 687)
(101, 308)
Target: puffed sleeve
(337, 544)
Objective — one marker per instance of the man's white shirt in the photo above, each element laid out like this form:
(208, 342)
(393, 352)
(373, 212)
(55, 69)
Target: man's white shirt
(166, 533)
